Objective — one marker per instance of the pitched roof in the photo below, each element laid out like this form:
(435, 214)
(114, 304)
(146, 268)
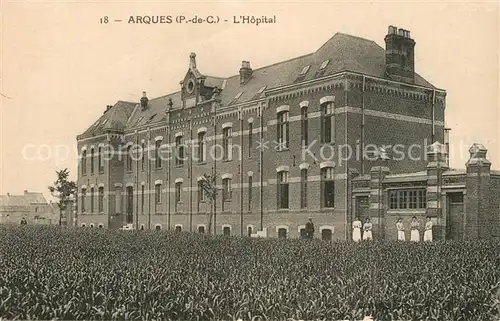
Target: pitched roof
(114, 118)
(343, 53)
(28, 198)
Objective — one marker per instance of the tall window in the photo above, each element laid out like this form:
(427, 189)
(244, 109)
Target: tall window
(157, 154)
(283, 189)
(92, 200)
(129, 158)
(84, 196)
(158, 193)
(328, 186)
(100, 161)
(250, 183)
(201, 194)
(143, 152)
(202, 148)
(327, 129)
(118, 200)
(303, 188)
(283, 130)
(91, 161)
(304, 127)
(407, 199)
(226, 189)
(84, 162)
(130, 204)
(250, 138)
(178, 190)
(179, 160)
(142, 199)
(101, 199)
(226, 143)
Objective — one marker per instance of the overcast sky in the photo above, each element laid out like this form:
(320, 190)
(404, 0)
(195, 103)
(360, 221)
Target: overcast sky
(61, 67)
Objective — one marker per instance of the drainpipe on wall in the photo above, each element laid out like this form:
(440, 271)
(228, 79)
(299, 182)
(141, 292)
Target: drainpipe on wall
(137, 183)
(261, 167)
(240, 115)
(190, 175)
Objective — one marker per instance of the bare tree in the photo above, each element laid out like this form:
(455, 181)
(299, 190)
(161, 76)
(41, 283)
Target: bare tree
(62, 189)
(209, 185)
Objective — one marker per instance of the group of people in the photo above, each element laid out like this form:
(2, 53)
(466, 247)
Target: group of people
(363, 232)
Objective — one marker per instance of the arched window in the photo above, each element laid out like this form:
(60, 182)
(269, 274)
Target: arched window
(250, 139)
(226, 143)
(91, 161)
(84, 196)
(130, 204)
(282, 233)
(100, 162)
(92, 195)
(202, 148)
(178, 192)
(303, 188)
(283, 190)
(249, 231)
(226, 231)
(283, 130)
(129, 158)
(157, 154)
(84, 162)
(179, 147)
(157, 227)
(101, 199)
(327, 122)
(326, 234)
(304, 127)
(178, 228)
(201, 229)
(328, 187)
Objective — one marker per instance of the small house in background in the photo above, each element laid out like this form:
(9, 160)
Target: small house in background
(33, 206)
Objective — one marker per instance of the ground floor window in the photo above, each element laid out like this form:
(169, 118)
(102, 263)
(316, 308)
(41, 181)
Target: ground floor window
(282, 233)
(201, 229)
(226, 231)
(326, 234)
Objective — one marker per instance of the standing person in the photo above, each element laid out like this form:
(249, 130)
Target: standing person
(428, 230)
(356, 230)
(401, 230)
(415, 233)
(310, 229)
(367, 230)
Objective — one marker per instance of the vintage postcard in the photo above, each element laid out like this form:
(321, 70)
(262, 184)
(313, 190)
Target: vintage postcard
(237, 160)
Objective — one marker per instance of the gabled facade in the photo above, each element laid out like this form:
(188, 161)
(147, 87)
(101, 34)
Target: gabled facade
(277, 136)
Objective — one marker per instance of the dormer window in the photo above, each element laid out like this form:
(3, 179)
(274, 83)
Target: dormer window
(224, 84)
(324, 64)
(139, 120)
(151, 118)
(238, 95)
(305, 70)
(97, 123)
(261, 89)
(104, 122)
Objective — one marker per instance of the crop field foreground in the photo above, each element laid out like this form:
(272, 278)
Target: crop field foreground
(68, 274)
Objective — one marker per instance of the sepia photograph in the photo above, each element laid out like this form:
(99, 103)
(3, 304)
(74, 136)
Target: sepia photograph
(249, 160)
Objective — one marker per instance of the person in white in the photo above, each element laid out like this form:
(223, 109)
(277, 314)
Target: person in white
(367, 230)
(428, 230)
(356, 230)
(415, 233)
(401, 230)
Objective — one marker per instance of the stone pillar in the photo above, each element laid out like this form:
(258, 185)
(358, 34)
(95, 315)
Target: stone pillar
(477, 215)
(436, 164)
(377, 202)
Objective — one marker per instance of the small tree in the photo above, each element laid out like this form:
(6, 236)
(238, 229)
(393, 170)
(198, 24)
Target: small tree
(209, 185)
(62, 189)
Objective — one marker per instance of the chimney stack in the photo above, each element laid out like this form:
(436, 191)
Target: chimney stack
(8, 194)
(144, 100)
(245, 72)
(400, 55)
(25, 192)
(108, 107)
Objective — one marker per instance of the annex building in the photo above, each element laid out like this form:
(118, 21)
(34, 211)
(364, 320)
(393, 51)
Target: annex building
(313, 136)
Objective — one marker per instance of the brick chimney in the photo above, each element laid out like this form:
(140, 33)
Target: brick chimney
(400, 55)
(108, 107)
(25, 192)
(245, 72)
(144, 100)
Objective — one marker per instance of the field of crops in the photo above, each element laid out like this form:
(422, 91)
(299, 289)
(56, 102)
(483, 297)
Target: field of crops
(69, 274)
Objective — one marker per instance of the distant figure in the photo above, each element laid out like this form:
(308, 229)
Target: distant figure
(310, 229)
(428, 230)
(401, 230)
(415, 233)
(356, 230)
(23, 221)
(367, 230)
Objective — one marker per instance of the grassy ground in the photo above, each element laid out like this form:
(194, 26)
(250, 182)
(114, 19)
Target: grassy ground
(47, 273)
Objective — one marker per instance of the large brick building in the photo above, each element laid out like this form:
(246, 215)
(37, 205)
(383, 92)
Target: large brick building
(348, 130)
